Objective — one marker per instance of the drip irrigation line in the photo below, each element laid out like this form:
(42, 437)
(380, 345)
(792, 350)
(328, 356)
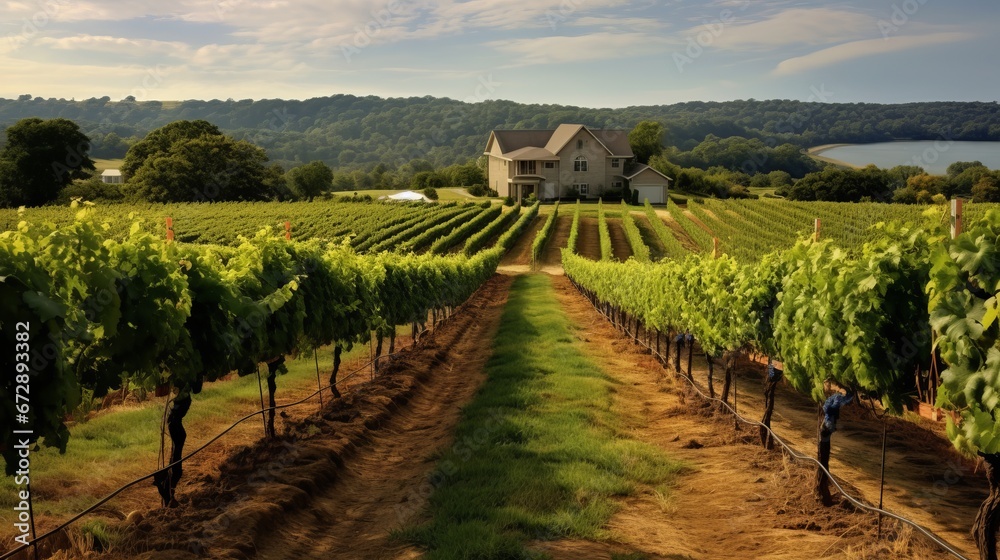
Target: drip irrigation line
(947, 547)
(121, 489)
(373, 363)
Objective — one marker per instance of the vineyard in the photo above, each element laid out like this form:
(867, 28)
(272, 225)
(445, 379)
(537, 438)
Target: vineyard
(868, 307)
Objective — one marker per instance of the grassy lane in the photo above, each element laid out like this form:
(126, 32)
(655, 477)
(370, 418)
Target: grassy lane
(540, 452)
(121, 444)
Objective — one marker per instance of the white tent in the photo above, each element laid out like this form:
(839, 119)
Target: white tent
(409, 196)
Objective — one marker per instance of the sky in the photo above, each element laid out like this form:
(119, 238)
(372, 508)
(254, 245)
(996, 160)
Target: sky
(591, 53)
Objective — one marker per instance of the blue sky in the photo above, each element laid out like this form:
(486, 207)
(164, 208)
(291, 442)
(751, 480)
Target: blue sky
(594, 53)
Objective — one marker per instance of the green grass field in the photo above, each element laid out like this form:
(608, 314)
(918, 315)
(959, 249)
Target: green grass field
(102, 164)
(542, 455)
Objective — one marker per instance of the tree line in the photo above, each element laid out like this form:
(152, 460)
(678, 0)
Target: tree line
(348, 132)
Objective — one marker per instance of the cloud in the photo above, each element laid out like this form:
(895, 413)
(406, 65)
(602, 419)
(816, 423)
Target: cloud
(115, 45)
(797, 26)
(560, 49)
(868, 47)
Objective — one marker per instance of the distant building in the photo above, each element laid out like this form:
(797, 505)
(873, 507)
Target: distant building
(111, 177)
(551, 163)
(406, 196)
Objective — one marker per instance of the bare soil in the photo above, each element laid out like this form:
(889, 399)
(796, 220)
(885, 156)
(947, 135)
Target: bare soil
(678, 231)
(588, 241)
(551, 257)
(739, 500)
(697, 221)
(649, 237)
(336, 483)
(619, 243)
(518, 258)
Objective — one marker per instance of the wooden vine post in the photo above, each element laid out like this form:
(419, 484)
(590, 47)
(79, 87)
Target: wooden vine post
(817, 223)
(956, 217)
(288, 230)
(170, 229)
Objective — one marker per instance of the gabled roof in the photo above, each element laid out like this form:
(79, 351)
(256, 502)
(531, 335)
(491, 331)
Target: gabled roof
(561, 136)
(554, 141)
(513, 140)
(111, 173)
(635, 169)
(533, 153)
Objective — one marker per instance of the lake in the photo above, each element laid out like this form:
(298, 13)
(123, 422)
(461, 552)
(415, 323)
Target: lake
(933, 155)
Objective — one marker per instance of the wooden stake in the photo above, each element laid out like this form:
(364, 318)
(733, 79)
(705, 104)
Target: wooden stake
(288, 230)
(816, 224)
(170, 229)
(956, 217)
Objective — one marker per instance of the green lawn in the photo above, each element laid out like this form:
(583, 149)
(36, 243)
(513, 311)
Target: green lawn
(122, 444)
(539, 453)
(102, 164)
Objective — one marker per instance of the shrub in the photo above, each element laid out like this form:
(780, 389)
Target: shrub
(431, 193)
(508, 201)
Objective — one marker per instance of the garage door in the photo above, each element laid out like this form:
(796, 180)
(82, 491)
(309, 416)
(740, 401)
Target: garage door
(653, 193)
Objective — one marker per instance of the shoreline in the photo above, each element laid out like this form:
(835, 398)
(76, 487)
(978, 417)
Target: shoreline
(816, 153)
(816, 150)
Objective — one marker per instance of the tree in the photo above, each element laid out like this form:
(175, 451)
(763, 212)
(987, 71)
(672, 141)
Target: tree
(191, 161)
(646, 140)
(431, 193)
(425, 179)
(987, 189)
(310, 180)
(40, 158)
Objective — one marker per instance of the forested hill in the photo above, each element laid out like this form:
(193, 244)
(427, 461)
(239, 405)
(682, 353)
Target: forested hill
(349, 132)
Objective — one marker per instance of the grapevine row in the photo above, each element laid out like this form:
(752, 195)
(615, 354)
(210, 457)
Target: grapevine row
(102, 312)
(672, 248)
(639, 249)
(461, 232)
(607, 254)
(479, 239)
(543, 235)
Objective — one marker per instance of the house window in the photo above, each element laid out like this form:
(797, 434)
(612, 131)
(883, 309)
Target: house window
(579, 144)
(614, 163)
(582, 188)
(616, 185)
(580, 164)
(550, 165)
(525, 168)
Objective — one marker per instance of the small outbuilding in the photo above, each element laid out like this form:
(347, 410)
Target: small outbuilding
(648, 182)
(408, 196)
(112, 176)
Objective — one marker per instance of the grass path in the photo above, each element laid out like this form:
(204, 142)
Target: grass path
(545, 454)
(122, 443)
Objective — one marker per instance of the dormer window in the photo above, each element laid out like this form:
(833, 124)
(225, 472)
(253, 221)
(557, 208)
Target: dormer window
(580, 164)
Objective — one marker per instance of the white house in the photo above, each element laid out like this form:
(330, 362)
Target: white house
(111, 176)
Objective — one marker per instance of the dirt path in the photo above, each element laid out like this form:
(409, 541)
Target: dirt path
(619, 243)
(518, 258)
(383, 485)
(738, 501)
(551, 258)
(649, 237)
(697, 221)
(338, 482)
(588, 242)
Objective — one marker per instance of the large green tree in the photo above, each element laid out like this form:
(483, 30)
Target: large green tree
(646, 140)
(310, 180)
(189, 161)
(39, 158)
